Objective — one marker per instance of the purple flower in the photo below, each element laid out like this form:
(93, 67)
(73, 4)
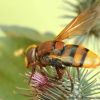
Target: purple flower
(40, 81)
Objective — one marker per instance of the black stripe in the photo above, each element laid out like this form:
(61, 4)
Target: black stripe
(83, 58)
(63, 50)
(73, 50)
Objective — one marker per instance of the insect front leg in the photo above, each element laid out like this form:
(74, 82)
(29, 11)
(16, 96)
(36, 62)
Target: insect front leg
(32, 73)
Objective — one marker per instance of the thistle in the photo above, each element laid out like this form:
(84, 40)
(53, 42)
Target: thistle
(47, 88)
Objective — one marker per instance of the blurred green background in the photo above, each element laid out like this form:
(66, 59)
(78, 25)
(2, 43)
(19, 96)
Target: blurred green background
(21, 23)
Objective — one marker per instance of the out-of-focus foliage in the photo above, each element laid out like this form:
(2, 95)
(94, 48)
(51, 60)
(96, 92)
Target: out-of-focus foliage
(26, 33)
(12, 45)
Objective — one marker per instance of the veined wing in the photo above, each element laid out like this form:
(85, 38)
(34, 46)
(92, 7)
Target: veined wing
(81, 24)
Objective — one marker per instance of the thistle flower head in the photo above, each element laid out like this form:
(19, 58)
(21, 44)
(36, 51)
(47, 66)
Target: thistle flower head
(47, 88)
(40, 81)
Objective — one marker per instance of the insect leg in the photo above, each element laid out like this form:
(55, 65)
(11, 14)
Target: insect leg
(33, 70)
(60, 72)
(70, 78)
(78, 74)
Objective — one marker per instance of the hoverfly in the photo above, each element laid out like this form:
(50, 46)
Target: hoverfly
(60, 55)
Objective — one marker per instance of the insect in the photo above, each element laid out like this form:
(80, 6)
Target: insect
(60, 55)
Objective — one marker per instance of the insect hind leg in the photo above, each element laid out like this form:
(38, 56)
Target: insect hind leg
(70, 78)
(78, 74)
(61, 71)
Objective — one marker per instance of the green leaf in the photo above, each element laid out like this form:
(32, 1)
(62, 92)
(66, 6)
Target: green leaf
(11, 66)
(28, 33)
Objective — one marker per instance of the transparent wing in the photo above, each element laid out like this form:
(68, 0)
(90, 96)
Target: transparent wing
(81, 24)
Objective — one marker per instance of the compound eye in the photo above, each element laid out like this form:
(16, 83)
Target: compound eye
(33, 54)
(30, 57)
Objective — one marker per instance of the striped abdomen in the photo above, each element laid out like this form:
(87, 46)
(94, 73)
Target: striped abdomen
(79, 56)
